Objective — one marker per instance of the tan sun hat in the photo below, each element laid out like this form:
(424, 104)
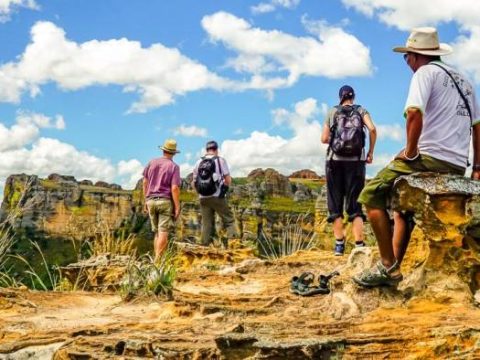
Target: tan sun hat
(170, 146)
(424, 40)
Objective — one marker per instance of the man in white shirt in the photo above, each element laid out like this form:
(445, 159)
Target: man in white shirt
(211, 179)
(442, 115)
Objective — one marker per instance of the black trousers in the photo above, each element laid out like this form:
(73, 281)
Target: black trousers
(345, 181)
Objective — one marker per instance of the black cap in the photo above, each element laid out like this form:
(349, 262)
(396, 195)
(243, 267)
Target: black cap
(346, 92)
(211, 145)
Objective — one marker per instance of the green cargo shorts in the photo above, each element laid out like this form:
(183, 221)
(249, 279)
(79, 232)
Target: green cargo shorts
(160, 212)
(377, 191)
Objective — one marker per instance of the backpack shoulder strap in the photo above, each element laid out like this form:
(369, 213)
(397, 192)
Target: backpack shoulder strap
(467, 105)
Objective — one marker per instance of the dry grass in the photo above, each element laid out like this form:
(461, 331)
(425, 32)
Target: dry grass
(292, 239)
(107, 241)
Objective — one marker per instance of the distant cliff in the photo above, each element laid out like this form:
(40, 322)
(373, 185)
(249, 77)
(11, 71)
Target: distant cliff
(61, 206)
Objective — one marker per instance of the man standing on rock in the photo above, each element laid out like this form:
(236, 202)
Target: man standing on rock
(442, 114)
(343, 130)
(211, 179)
(161, 187)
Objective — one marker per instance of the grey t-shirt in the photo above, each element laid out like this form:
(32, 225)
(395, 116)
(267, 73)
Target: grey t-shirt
(221, 170)
(329, 118)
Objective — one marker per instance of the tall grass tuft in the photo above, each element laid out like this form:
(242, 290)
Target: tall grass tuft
(147, 277)
(292, 239)
(108, 241)
(7, 234)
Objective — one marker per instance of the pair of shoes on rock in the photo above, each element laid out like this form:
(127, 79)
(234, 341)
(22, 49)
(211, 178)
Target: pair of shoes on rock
(379, 275)
(340, 246)
(301, 285)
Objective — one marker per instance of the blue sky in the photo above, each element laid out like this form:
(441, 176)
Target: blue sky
(91, 88)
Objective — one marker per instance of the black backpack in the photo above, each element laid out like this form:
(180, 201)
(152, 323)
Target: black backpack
(347, 137)
(204, 182)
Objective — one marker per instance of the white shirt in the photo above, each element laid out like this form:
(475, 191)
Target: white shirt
(446, 122)
(221, 170)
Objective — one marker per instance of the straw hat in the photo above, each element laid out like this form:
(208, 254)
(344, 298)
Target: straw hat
(424, 40)
(170, 146)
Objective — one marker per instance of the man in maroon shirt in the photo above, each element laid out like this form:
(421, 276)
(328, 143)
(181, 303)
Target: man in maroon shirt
(161, 187)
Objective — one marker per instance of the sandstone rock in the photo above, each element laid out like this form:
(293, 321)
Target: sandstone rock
(62, 179)
(86, 182)
(304, 174)
(440, 257)
(115, 187)
(271, 182)
(102, 184)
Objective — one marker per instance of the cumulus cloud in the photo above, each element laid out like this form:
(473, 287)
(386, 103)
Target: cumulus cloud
(272, 5)
(26, 128)
(407, 14)
(390, 132)
(261, 149)
(157, 73)
(23, 150)
(190, 131)
(276, 59)
(7, 7)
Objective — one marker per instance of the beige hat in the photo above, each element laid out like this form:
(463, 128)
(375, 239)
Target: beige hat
(170, 146)
(424, 40)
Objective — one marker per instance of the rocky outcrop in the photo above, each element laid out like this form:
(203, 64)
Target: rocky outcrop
(271, 182)
(305, 174)
(61, 206)
(442, 256)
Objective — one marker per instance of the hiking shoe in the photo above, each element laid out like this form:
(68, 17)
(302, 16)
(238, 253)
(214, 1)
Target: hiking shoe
(379, 275)
(360, 244)
(339, 248)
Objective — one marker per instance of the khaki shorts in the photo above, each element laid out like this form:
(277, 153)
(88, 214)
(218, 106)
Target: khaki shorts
(160, 212)
(376, 193)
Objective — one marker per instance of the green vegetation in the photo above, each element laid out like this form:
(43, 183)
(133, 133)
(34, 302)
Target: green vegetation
(240, 181)
(147, 277)
(103, 190)
(188, 196)
(312, 184)
(50, 184)
(288, 205)
(293, 238)
(81, 210)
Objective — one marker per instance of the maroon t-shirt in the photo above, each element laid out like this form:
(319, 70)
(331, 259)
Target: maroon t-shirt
(161, 174)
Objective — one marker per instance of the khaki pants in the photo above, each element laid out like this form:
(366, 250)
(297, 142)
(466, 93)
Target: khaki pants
(376, 193)
(160, 212)
(208, 207)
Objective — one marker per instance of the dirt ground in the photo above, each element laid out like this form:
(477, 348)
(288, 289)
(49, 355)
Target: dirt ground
(241, 309)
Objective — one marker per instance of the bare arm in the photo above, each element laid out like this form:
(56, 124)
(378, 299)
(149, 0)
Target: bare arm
(145, 186)
(325, 133)
(372, 133)
(227, 179)
(414, 130)
(176, 200)
(476, 151)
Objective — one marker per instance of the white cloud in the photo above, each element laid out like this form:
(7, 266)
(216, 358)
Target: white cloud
(260, 149)
(129, 172)
(157, 73)
(7, 7)
(272, 5)
(276, 59)
(390, 132)
(190, 131)
(23, 150)
(26, 129)
(407, 14)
